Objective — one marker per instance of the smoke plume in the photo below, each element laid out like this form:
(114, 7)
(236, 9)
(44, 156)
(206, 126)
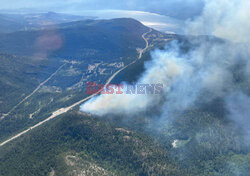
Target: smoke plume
(202, 74)
(160, 71)
(187, 76)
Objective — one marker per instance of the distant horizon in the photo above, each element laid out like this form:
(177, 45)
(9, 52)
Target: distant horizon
(189, 8)
(156, 21)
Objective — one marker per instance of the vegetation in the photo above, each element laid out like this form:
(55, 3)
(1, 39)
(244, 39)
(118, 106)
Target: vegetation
(117, 150)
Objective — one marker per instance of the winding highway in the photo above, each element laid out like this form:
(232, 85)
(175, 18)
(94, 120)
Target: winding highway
(64, 110)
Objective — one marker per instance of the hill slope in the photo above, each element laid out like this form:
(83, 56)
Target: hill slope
(90, 39)
(75, 143)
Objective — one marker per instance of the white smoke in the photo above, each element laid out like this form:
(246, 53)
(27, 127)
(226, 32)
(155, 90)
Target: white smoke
(162, 70)
(206, 70)
(185, 78)
(228, 19)
(238, 104)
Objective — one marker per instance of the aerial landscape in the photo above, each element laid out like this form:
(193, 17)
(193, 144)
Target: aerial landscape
(125, 88)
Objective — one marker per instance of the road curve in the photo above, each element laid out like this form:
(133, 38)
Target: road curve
(64, 110)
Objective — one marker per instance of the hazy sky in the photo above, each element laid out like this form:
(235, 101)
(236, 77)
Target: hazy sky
(176, 8)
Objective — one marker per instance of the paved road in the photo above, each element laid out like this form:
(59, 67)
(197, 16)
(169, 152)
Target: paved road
(146, 41)
(64, 110)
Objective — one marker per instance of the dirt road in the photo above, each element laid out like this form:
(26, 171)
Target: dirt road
(32, 93)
